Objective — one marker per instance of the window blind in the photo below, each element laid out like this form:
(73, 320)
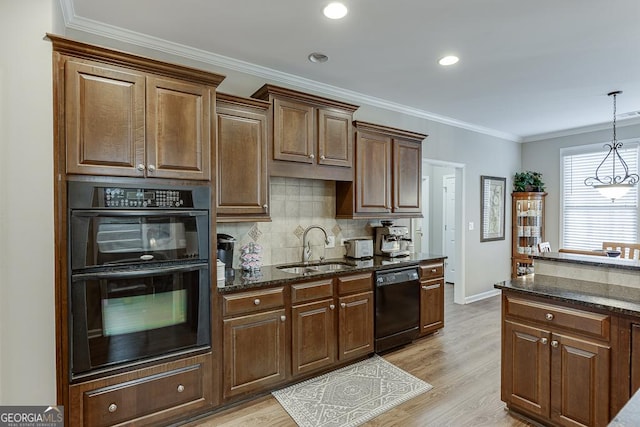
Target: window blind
(588, 218)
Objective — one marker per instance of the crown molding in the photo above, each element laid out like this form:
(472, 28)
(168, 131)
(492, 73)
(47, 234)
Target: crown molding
(72, 21)
(580, 130)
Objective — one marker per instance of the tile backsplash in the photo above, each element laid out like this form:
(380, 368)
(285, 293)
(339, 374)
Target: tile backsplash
(295, 205)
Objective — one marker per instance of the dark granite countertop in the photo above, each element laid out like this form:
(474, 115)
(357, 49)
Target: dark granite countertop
(614, 298)
(270, 275)
(629, 415)
(592, 260)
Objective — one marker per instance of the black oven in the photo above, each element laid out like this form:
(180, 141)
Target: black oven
(139, 286)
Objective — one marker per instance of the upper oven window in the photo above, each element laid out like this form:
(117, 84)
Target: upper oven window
(125, 237)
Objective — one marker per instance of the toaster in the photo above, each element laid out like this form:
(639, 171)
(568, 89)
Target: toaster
(359, 248)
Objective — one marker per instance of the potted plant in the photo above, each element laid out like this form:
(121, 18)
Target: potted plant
(528, 181)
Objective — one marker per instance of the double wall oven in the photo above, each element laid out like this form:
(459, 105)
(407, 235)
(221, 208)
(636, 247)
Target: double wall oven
(139, 273)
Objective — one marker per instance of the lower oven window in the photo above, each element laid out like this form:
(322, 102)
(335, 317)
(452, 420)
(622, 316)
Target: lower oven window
(119, 320)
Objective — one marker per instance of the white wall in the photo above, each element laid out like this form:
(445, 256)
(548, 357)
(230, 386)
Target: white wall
(27, 333)
(544, 156)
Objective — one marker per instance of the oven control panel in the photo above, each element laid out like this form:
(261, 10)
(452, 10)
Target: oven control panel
(119, 197)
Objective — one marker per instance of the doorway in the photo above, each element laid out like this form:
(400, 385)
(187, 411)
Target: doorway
(449, 226)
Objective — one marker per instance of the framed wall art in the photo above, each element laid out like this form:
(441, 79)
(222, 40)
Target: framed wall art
(492, 208)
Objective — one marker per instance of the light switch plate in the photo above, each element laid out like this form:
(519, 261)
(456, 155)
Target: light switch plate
(471, 226)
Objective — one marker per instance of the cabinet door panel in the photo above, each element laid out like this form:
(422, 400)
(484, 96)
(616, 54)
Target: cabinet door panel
(254, 352)
(335, 138)
(293, 131)
(178, 134)
(526, 368)
(580, 382)
(355, 325)
(431, 305)
(407, 176)
(373, 174)
(635, 358)
(241, 158)
(104, 119)
(313, 336)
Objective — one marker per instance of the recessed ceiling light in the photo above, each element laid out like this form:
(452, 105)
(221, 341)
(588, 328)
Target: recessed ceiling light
(448, 60)
(318, 57)
(335, 10)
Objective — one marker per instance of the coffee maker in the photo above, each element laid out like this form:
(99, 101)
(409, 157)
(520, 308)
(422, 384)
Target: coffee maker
(388, 239)
(225, 250)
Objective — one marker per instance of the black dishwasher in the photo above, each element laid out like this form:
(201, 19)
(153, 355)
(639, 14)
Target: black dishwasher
(397, 302)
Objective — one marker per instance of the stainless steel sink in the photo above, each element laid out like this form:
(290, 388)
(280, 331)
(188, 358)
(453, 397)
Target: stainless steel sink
(314, 268)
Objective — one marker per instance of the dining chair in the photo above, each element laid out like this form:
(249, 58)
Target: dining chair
(544, 247)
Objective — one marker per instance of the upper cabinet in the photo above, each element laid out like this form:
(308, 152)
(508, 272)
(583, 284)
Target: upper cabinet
(388, 175)
(241, 159)
(312, 137)
(126, 115)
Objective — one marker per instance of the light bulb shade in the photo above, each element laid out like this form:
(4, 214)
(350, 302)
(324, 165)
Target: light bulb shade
(613, 191)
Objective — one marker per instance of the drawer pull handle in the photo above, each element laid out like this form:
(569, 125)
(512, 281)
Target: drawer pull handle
(548, 316)
(332, 306)
(544, 341)
(554, 344)
(256, 301)
(113, 408)
(283, 318)
(343, 305)
(433, 270)
(180, 388)
(430, 287)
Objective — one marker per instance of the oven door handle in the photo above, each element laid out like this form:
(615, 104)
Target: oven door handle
(132, 274)
(110, 213)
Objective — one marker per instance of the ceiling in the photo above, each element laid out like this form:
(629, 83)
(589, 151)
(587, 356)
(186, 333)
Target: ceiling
(527, 68)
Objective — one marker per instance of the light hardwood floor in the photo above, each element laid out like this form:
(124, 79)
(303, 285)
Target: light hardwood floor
(462, 362)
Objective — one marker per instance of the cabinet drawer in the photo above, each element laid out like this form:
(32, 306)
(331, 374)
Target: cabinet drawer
(250, 302)
(431, 270)
(595, 324)
(355, 283)
(111, 405)
(310, 291)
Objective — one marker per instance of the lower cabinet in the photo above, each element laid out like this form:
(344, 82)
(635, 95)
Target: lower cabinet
(635, 358)
(355, 324)
(313, 336)
(556, 362)
(255, 347)
(154, 395)
(431, 296)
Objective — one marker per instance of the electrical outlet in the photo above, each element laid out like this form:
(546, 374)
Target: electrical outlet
(332, 242)
(342, 241)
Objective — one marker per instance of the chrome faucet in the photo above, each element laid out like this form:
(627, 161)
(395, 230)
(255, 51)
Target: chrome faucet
(306, 246)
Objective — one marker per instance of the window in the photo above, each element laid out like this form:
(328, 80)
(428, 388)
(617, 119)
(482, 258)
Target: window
(588, 219)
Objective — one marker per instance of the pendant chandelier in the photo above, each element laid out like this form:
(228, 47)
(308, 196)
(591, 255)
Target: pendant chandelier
(613, 186)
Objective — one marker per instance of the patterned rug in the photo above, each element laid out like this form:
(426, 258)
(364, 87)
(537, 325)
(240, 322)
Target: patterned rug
(351, 395)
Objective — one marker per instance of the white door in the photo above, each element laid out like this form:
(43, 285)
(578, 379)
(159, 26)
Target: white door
(421, 225)
(449, 224)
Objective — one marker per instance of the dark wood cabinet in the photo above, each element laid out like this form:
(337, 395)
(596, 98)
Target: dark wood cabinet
(154, 395)
(255, 346)
(556, 362)
(312, 137)
(126, 122)
(313, 336)
(431, 296)
(634, 357)
(388, 175)
(527, 230)
(242, 180)
(355, 336)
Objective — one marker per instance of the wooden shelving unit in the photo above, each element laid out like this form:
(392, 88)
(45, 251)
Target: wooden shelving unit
(527, 213)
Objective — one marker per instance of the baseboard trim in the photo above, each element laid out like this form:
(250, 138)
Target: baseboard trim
(481, 296)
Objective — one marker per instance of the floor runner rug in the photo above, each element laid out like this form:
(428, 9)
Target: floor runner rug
(351, 395)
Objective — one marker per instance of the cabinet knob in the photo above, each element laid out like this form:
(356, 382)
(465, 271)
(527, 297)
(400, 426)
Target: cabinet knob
(323, 157)
(332, 306)
(140, 167)
(256, 301)
(180, 388)
(265, 206)
(548, 316)
(113, 408)
(283, 318)
(433, 270)
(544, 341)
(343, 305)
(554, 344)
(311, 156)
(151, 168)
